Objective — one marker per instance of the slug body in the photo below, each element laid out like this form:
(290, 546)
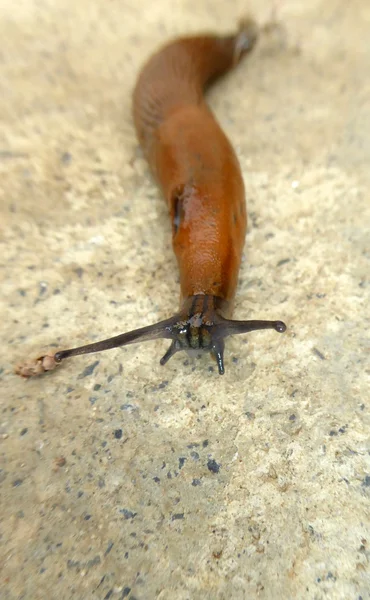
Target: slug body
(194, 162)
(201, 181)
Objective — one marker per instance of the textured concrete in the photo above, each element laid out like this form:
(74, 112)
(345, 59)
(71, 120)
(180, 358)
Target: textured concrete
(124, 479)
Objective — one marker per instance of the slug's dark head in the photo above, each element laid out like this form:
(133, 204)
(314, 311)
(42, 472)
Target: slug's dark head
(202, 327)
(199, 326)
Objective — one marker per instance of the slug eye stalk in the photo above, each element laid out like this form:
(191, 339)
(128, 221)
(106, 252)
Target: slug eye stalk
(198, 326)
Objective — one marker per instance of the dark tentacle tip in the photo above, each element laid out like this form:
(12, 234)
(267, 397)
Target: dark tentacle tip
(218, 353)
(280, 327)
(170, 352)
(221, 369)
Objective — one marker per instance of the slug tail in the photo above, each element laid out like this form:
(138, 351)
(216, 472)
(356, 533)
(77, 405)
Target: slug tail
(179, 73)
(245, 39)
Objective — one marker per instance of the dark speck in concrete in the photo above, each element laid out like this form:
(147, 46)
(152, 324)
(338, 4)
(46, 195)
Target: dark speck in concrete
(17, 482)
(205, 444)
(341, 430)
(182, 460)
(213, 466)
(118, 434)
(87, 517)
(72, 564)
(93, 562)
(79, 272)
(109, 548)
(108, 594)
(43, 286)
(194, 455)
(89, 370)
(282, 262)
(66, 158)
(156, 479)
(318, 353)
(97, 387)
(177, 516)
(125, 592)
(128, 514)
(24, 431)
(366, 481)
(196, 482)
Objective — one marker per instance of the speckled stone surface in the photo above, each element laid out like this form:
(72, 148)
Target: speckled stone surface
(124, 479)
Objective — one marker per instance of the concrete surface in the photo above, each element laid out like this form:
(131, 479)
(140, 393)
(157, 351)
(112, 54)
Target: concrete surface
(124, 479)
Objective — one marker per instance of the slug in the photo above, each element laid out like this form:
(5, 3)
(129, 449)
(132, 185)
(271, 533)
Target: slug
(200, 178)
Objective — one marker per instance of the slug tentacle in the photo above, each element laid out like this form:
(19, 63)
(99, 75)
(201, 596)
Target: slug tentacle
(199, 326)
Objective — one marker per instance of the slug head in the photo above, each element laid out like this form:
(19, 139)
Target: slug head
(202, 327)
(198, 326)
